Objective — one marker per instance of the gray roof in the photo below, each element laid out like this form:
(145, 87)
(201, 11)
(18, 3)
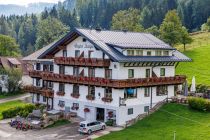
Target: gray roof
(126, 39)
(107, 41)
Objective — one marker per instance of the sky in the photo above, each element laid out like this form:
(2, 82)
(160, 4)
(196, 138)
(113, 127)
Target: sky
(25, 2)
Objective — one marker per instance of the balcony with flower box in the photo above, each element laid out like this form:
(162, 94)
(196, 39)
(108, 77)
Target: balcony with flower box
(40, 90)
(75, 95)
(114, 83)
(107, 99)
(60, 93)
(88, 62)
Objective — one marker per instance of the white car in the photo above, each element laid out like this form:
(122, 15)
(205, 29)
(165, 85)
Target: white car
(89, 127)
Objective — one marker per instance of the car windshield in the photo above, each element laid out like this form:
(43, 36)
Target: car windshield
(82, 125)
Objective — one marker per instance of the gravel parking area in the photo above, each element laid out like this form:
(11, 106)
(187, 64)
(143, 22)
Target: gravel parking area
(66, 132)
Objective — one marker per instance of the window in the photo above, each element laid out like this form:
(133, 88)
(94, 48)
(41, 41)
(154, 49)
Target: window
(158, 53)
(61, 87)
(139, 52)
(162, 71)
(38, 66)
(161, 90)
(64, 53)
(91, 72)
(76, 71)
(130, 52)
(51, 68)
(77, 53)
(37, 97)
(38, 82)
(45, 67)
(130, 111)
(149, 53)
(61, 103)
(50, 84)
(108, 73)
(84, 40)
(146, 92)
(75, 106)
(91, 91)
(89, 54)
(61, 69)
(130, 93)
(165, 53)
(44, 99)
(146, 108)
(130, 73)
(75, 89)
(108, 92)
(147, 73)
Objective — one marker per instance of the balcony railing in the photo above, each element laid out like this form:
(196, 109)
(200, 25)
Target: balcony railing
(93, 62)
(103, 82)
(39, 90)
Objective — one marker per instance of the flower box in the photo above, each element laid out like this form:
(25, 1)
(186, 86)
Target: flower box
(60, 93)
(74, 108)
(75, 95)
(90, 97)
(86, 110)
(106, 99)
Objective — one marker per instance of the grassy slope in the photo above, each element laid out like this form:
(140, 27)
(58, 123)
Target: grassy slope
(10, 104)
(161, 126)
(199, 51)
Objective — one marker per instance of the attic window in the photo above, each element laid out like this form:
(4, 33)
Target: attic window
(130, 52)
(84, 40)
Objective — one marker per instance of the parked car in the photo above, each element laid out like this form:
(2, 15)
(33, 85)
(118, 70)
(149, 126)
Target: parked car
(87, 127)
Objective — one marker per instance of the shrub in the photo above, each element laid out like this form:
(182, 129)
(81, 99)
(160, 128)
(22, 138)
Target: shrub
(22, 111)
(110, 122)
(199, 104)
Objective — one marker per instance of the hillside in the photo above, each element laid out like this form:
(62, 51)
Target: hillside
(199, 51)
(11, 9)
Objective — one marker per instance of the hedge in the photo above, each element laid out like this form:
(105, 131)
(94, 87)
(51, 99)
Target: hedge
(199, 104)
(22, 111)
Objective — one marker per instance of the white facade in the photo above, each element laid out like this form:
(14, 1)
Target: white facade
(134, 106)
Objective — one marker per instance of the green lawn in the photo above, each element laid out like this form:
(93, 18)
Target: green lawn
(199, 52)
(10, 104)
(188, 125)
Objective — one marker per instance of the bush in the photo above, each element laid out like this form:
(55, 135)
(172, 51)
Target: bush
(199, 104)
(22, 111)
(110, 122)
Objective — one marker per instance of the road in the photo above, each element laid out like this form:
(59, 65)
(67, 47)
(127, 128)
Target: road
(18, 97)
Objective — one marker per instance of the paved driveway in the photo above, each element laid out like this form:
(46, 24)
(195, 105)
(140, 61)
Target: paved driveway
(66, 132)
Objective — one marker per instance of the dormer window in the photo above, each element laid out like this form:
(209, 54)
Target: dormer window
(130, 52)
(165, 53)
(149, 53)
(158, 52)
(139, 52)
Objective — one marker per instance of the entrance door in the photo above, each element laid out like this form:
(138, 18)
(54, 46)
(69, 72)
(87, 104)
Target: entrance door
(100, 114)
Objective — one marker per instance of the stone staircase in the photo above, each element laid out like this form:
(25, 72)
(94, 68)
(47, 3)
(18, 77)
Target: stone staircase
(141, 116)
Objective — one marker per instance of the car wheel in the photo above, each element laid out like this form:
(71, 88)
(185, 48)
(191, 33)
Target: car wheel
(89, 132)
(103, 127)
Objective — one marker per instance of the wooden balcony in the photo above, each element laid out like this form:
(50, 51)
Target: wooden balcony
(103, 82)
(39, 90)
(88, 62)
(36, 74)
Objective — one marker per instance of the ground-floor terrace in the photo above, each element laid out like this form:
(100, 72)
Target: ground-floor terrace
(120, 109)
